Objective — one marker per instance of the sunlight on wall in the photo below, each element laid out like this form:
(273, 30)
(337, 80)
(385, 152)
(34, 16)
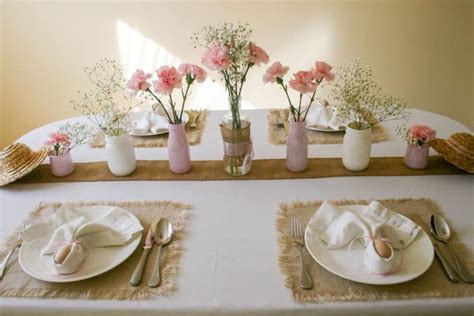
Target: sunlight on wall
(140, 52)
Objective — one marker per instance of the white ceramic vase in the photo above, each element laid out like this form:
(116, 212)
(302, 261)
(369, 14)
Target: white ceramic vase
(356, 147)
(120, 154)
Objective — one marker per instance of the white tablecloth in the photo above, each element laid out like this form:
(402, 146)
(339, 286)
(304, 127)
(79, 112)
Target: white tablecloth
(230, 264)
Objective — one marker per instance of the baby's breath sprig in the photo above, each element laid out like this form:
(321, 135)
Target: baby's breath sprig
(106, 104)
(78, 133)
(361, 99)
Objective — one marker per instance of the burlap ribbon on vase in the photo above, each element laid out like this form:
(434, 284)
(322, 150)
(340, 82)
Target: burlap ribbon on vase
(329, 287)
(193, 134)
(115, 283)
(278, 128)
(238, 148)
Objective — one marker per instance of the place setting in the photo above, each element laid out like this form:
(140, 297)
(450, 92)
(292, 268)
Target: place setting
(95, 250)
(370, 250)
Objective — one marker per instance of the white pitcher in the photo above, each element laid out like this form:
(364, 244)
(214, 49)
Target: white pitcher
(120, 154)
(356, 147)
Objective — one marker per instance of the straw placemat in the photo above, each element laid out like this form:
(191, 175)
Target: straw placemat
(113, 284)
(328, 287)
(265, 169)
(193, 134)
(278, 135)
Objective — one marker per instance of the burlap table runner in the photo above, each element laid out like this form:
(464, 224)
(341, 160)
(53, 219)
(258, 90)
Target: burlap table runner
(265, 169)
(193, 134)
(328, 287)
(113, 284)
(278, 134)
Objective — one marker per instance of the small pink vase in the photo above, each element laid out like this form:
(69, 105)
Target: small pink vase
(416, 157)
(61, 165)
(297, 147)
(178, 149)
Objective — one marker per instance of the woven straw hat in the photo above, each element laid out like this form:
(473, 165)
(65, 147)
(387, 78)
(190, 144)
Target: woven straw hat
(18, 160)
(458, 149)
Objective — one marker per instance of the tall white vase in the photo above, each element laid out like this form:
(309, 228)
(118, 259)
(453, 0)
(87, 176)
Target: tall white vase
(120, 154)
(356, 147)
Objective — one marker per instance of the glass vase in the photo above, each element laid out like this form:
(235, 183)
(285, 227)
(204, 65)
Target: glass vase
(238, 148)
(356, 146)
(178, 149)
(297, 147)
(416, 157)
(120, 155)
(61, 165)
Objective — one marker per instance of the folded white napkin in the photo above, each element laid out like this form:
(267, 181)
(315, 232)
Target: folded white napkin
(323, 115)
(147, 121)
(338, 226)
(80, 226)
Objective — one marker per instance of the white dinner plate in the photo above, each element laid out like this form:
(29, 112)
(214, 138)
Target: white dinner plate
(99, 260)
(325, 129)
(161, 121)
(348, 264)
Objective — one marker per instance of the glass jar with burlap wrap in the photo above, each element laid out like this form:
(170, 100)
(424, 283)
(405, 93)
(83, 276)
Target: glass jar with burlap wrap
(238, 148)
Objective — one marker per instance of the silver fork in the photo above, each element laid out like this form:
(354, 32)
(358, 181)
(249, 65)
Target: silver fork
(298, 239)
(5, 261)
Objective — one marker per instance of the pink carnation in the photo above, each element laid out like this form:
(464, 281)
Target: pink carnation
(422, 132)
(59, 141)
(216, 58)
(194, 71)
(304, 82)
(138, 82)
(257, 55)
(323, 70)
(168, 79)
(276, 70)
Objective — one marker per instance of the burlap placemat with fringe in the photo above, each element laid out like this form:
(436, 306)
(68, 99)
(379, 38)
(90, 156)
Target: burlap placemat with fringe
(193, 134)
(113, 284)
(328, 287)
(278, 127)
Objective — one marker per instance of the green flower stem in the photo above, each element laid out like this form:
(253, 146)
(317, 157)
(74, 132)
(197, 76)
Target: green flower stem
(309, 105)
(175, 116)
(285, 88)
(160, 103)
(185, 95)
(299, 107)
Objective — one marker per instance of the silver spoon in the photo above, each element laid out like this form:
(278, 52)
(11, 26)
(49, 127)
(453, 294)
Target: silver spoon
(443, 233)
(163, 234)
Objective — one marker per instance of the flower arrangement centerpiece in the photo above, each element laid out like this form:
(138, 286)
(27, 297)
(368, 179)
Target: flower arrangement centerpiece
(107, 105)
(417, 138)
(360, 99)
(230, 51)
(62, 141)
(305, 83)
(169, 79)
(363, 105)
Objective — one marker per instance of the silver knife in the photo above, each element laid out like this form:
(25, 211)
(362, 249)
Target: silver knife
(138, 272)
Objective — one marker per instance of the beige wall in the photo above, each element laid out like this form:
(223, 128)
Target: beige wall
(422, 50)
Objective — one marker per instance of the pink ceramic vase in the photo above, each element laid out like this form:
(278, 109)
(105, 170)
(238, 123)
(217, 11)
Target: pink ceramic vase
(416, 157)
(61, 165)
(297, 147)
(178, 149)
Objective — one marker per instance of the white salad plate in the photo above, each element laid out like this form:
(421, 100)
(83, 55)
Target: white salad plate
(98, 261)
(348, 263)
(160, 121)
(326, 129)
